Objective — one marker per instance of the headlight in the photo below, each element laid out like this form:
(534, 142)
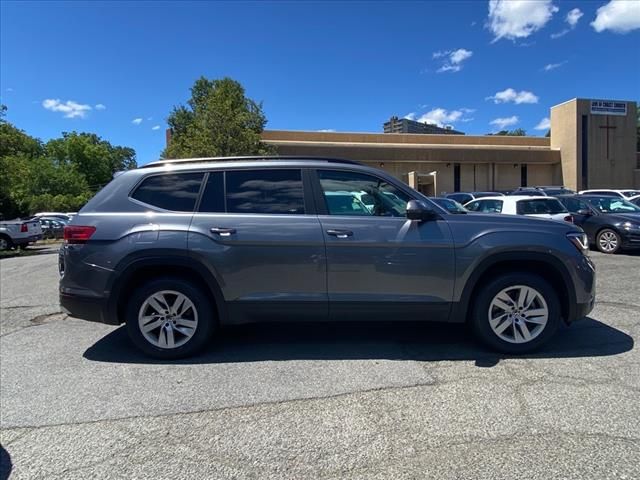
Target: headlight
(580, 241)
(630, 226)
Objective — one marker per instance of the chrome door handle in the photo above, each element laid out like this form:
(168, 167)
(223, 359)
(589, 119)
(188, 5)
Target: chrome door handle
(340, 233)
(223, 232)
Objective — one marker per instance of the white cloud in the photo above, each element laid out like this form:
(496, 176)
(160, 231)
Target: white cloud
(100, 106)
(9, 89)
(155, 127)
(511, 95)
(619, 16)
(136, 121)
(410, 116)
(503, 123)
(514, 19)
(552, 66)
(70, 108)
(544, 124)
(149, 118)
(326, 130)
(442, 117)
(573, 17)
(453, 59)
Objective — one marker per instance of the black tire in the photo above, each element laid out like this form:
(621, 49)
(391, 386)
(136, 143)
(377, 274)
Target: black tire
(602, 245)
(480, 312)
(205, 328)
(6, 243)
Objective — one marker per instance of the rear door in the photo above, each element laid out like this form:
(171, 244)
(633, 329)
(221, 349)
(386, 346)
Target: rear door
(257, 232)
(381, 266)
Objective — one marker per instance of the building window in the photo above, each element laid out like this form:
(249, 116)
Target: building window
(456, 177)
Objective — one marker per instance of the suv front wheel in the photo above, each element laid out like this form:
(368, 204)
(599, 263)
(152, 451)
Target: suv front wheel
(516, 313)
(169, 318)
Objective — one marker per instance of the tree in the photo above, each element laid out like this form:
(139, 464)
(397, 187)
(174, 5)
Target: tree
(518, 132)
(60, 175)
(95, 159)
(218, 120)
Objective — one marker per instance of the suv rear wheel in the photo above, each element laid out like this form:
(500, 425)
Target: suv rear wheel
(169, 318)
(516, 313)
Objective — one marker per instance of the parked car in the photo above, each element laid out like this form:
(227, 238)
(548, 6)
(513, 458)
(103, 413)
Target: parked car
(189, 246)
(466, 197)
(542, 207)
(611, 223)
(60, 215)
(19, 233)
(449, 204)
(529, 191)
(555, 190)
(624, 193)
(52, 227)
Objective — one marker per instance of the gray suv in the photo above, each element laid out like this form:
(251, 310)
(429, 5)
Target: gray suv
(176, 249)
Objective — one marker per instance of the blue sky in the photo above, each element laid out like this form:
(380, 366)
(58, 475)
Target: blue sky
(117, 68)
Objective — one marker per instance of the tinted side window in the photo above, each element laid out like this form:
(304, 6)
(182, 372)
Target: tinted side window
(213, 196)
(171, 191)
(265, 191)
(573, 204)
(539, 206)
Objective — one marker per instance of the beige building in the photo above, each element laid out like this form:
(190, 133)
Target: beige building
(592, 145)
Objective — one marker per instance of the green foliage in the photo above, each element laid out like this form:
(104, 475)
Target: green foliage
(60, 175)
(218, 120)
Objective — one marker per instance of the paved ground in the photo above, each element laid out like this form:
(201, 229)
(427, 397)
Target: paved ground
(319, 401)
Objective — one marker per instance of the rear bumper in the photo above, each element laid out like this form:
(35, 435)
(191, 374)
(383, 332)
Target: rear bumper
(86, 308)
(26, 240)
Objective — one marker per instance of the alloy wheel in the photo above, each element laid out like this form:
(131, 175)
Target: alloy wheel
(608, 241)
(168, 319)
(518, 314)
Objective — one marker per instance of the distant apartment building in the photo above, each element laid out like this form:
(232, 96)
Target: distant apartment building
(404, 125)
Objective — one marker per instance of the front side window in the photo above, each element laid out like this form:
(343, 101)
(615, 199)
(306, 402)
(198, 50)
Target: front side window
(265, 191)
(485, 206)
(539, 206)
(177, 192)
(352, 193)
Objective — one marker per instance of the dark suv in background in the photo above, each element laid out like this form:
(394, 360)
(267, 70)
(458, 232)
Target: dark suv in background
(176, 249)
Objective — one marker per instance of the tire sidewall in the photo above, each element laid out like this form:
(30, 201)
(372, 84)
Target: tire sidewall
(206, 317)
(619, 239)
(480, 320)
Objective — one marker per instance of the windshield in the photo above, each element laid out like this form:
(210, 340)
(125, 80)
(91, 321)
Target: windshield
(613, 205)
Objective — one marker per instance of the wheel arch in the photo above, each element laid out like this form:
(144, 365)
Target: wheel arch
(548, 267)
(132, 271)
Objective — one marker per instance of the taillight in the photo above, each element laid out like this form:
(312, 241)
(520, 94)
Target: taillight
(24, 228)
(568, 218)
(77, 233)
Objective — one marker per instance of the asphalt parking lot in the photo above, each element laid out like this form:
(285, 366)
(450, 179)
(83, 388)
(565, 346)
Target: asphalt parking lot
(317, 401)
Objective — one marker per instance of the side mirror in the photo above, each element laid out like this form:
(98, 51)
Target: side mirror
(584, 211)
(419, 211)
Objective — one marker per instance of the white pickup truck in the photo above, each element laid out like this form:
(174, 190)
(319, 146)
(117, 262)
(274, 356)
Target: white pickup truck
(14, 233)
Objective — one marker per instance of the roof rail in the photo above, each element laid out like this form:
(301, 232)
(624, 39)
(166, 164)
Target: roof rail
(256, 158)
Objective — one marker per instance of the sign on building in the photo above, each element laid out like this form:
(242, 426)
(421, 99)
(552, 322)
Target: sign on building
(608, 107)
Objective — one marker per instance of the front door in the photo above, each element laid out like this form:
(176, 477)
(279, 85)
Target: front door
(379, 264)
(254, 231)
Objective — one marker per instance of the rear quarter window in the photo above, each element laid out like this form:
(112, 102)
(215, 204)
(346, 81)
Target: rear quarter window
(177, 192)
